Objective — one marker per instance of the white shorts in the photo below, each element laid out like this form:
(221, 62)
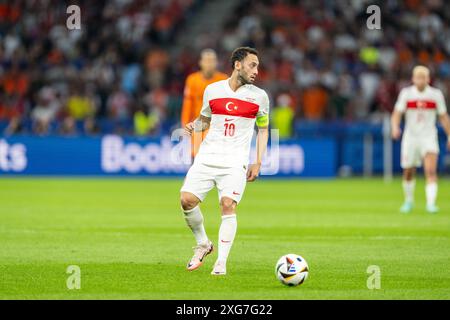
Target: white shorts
(201, 178)
(414, 150)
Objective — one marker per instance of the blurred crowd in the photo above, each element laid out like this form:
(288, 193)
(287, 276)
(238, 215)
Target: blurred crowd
(100, 78)
(319, 61)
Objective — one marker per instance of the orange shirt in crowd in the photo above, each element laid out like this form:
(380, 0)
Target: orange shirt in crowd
(193, 94)
(315, 101)
(15, 83)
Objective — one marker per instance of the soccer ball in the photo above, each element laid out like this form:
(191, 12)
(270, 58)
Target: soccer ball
(291, 270)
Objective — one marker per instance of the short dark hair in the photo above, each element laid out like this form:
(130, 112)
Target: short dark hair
(240, 53)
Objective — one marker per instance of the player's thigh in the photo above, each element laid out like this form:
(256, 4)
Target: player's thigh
(410, 153)
(231, 183)
(199, 181)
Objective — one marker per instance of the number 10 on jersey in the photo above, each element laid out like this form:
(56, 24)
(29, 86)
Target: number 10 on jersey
(229, 129)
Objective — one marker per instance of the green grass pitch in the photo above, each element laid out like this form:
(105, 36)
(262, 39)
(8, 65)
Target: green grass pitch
(129, 238)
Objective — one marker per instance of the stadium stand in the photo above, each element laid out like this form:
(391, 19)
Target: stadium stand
(131, 57)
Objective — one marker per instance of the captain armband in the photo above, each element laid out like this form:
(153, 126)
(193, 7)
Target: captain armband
(262, 121)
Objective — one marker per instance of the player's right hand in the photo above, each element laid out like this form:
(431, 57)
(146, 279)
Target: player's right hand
(188, 128)
(396, 133)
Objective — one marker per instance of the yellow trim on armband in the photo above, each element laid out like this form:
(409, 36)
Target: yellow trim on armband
(262, 121)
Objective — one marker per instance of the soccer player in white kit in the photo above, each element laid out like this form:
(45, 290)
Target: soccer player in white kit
(421, 104)
(230, 110)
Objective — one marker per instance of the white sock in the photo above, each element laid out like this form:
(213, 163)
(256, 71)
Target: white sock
(194, 220)
(431, 190)
(227, 232)
(408, 190)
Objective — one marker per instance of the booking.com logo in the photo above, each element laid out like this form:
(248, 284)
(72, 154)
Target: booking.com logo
(173, 155)
(13, 157)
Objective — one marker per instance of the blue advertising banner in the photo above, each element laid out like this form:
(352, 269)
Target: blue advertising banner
(113, 155)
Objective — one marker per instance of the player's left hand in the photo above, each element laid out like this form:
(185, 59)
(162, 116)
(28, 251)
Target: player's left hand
(253, 172)
(189, 128)
(448, 144)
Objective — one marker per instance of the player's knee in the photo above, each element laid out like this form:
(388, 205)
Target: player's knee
(188, 201)
(430, 174)
(228, 205)
(408, 174)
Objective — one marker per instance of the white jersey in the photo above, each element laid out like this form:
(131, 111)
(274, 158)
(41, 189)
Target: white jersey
(420, 110)
(233, 115)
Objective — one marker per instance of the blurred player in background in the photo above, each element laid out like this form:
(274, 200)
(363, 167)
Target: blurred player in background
(230, 109)
(193, 92)
(421, 104)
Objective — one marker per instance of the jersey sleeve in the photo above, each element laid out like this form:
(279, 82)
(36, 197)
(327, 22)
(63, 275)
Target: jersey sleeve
(262, 117)
(206, 109)
(441, 107)
(400, 105)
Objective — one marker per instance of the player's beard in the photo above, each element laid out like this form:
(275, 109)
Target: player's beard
(242, 78)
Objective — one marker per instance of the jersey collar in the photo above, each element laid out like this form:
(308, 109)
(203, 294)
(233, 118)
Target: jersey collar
(230, 91)
(421, 92)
